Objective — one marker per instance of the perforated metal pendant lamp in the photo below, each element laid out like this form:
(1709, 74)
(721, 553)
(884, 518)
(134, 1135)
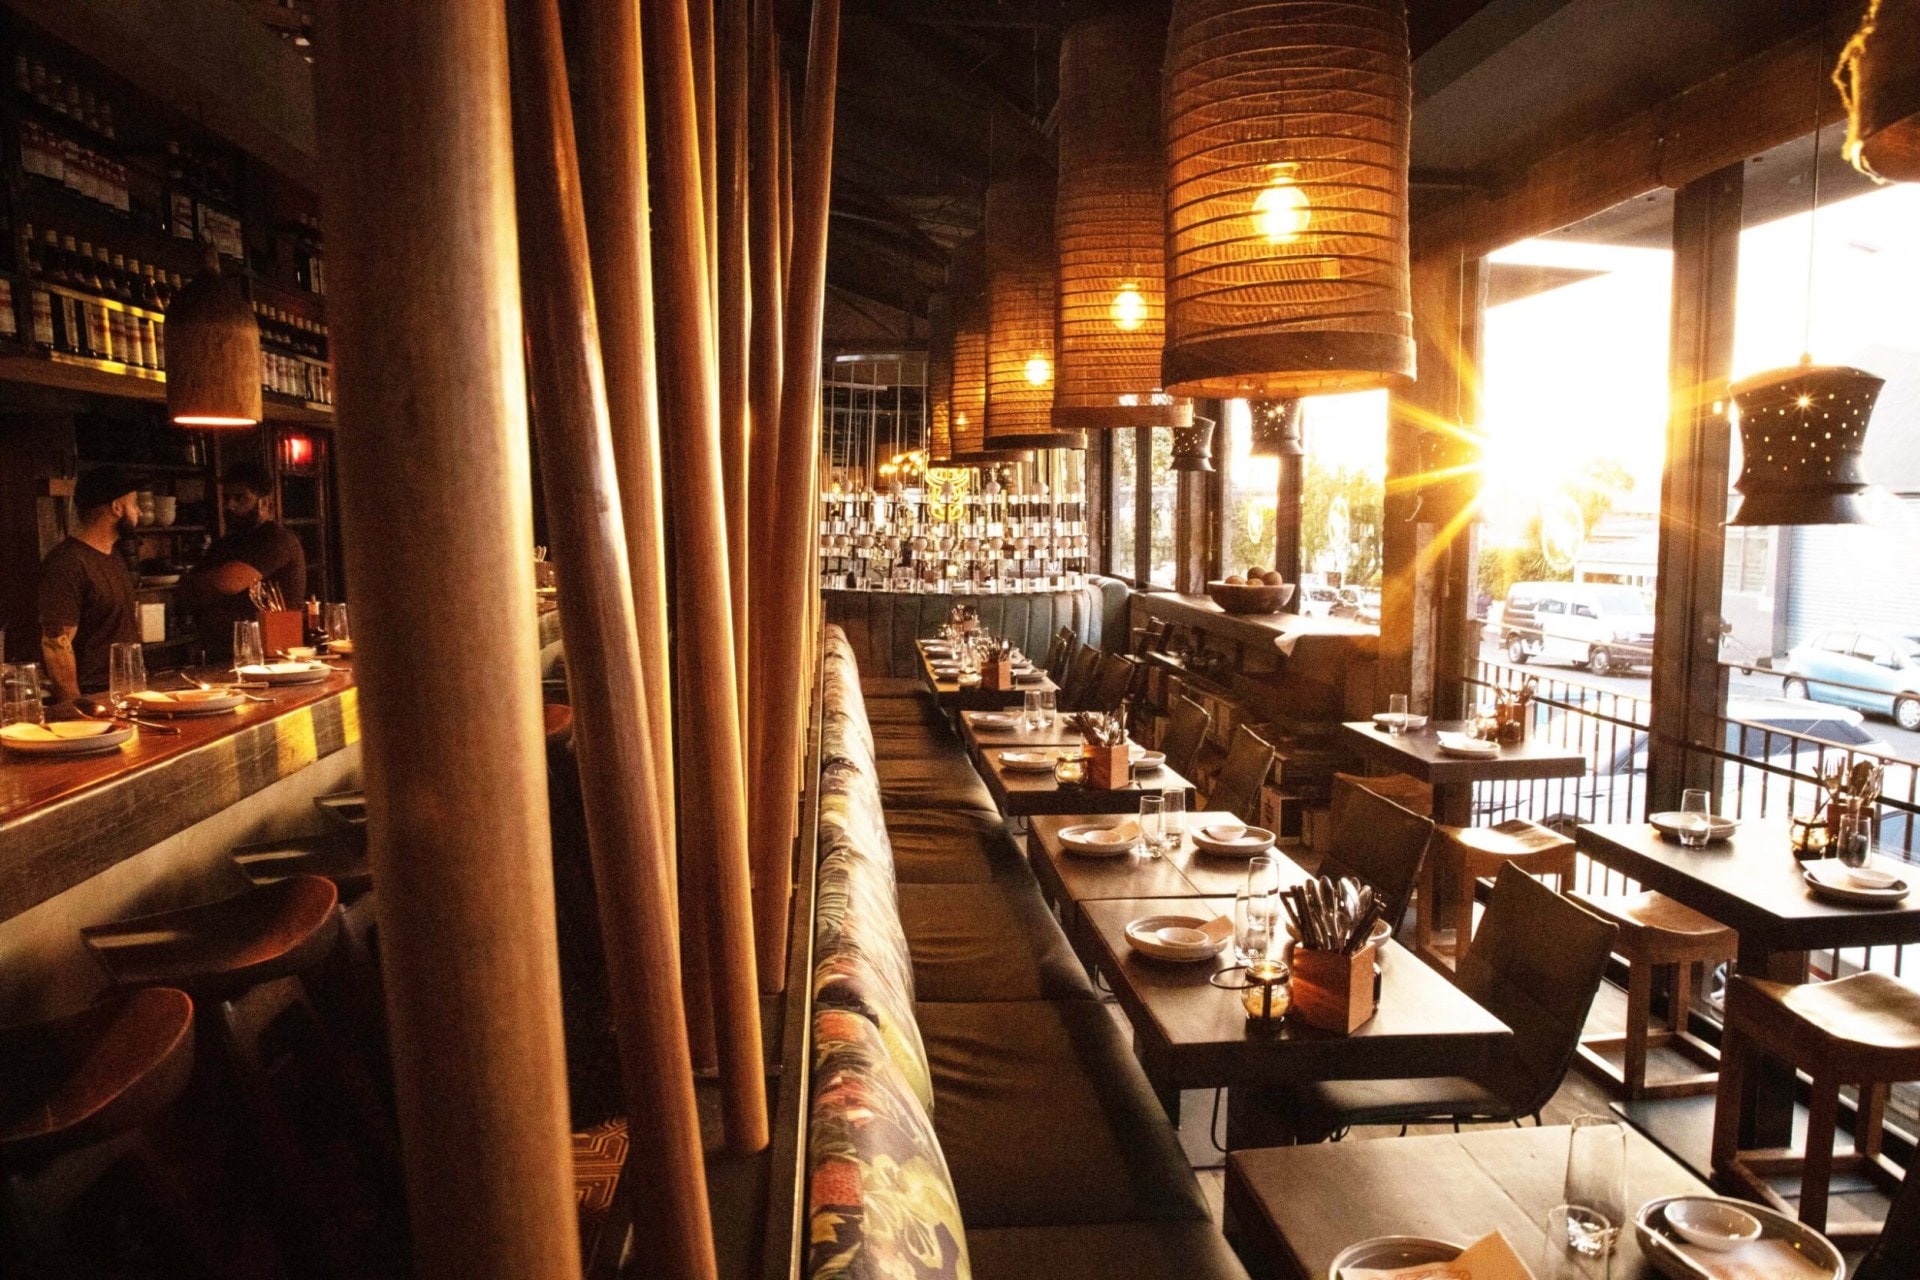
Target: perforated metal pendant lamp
(1020, 306)
(1287, 126)
(213, 354)
(1801, 433)
(939, 379)
(1274, 429)
(1110, 230)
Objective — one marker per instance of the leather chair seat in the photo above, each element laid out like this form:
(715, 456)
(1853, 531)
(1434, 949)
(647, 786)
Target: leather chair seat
(945, 780)
(953, 846)
(1318, 1110)
(979, 942)
(1046, 1119)
(1109, 1251)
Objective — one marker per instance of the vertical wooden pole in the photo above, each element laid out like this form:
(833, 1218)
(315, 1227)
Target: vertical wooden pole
(632, 863)
(710, 755)
(788, 608)
(736, 433)
(763, 367)
(700, 24)
(433, 454)
(786, 178)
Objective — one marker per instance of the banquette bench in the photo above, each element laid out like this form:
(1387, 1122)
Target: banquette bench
(881, 626)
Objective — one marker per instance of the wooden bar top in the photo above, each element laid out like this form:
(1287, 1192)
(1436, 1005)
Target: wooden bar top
(63, 820)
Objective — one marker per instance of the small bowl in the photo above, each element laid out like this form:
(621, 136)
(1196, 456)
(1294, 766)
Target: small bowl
(1178, 936)
(1224, 832)
(302, 652)
(1870, 877)
(1712, 1224)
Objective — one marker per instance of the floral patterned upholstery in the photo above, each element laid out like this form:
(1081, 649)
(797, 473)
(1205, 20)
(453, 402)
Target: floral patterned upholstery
(880, 1203)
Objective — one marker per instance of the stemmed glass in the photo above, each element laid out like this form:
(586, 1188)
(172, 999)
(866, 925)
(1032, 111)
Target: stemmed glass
(1696, 817)
(1397, 713)
(126, 675)
(247, 649)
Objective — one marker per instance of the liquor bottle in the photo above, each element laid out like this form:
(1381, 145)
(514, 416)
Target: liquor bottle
(53, 259)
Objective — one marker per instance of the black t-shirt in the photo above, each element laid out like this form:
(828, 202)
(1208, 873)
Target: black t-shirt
(92, 591)
(276, 554)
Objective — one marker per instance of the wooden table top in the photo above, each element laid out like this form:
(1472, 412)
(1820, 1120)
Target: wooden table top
(949, 692)
(1192, 1035)
(1022, 794)
(1751, 882)
(1418, 753)
(979, 736)
(1072, 878)
(1298, 1207)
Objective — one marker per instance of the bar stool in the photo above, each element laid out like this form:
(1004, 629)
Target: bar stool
(1403, 789)
(1863, 1030)
(339, 855)
(1657, 933)
(76, 1096)
(1459, 856)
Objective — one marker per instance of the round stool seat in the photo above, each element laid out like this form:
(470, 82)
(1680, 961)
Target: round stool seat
(339, 856)
(557, 719)
(1654, 917)
(78, 1080)
(1515, 838)
(217, 949)
(1871, 1012)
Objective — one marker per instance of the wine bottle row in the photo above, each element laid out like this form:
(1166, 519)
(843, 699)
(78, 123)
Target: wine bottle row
(78, 316)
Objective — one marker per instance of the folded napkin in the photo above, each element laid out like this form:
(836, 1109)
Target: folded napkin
(1476, 746)
(1123, 832)
(1766, 1259)
(1488, 1258)
(1218, 929)
(156, 696)
(29, 733)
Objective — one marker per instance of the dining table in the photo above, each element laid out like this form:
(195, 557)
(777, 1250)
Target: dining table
(1290, 1211)
(1418, 752)
(1023, 792)
(954, 692)
(1751, 882)
(982, 730)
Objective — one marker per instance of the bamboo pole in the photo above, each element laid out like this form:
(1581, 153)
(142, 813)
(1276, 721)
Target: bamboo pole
(788, 609)
(736, 434)
(433, 454)
(786, 180)
(710, 755)
(763, 370)
(632, 864)
(700, 23)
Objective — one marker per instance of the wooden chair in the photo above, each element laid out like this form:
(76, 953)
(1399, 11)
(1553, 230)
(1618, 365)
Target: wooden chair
(1186, 734)
(1461, 855)
(1899, 1244)
(1082, 673)
(1059, 651)
(1403, 789)
(1236, 788)
(1657, 933)
(1378, 843)
(1862, 1030)
(1113, 684)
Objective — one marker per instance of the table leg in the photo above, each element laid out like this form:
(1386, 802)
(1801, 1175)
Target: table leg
(1766, 1095)
(1453, 803)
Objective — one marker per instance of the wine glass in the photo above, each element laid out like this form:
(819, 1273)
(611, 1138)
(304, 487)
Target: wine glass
(1696, 817)
(1596, 1182)
(1153, 822)
(247, 648)
(126, 674)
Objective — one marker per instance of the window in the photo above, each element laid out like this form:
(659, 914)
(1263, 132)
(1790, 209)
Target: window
(1875, 650)
(1837, 642)
(1123, 507)
(1343, 487)
(1584, 611)
(1553, 606)
(1163, 484)
(1249, 491)
(1749, 564)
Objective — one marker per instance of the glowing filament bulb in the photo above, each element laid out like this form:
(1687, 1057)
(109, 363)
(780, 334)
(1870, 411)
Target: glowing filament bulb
(1281, 210)
(1129, 309)
(1039, 370)
(1804, 401)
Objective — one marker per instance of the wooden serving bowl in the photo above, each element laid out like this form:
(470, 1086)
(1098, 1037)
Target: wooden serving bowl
(1238, 598)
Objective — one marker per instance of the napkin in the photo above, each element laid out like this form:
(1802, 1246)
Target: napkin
(1123, 832)
(1218, 930)
(29, 733)
(1461, 742)
(1488, 1258)
(1765, 1259)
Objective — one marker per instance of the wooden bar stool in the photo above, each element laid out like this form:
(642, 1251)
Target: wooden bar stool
(1657, 933)
(1460, 856)
(339, 855)
(1403, 789)
(1863, 1030)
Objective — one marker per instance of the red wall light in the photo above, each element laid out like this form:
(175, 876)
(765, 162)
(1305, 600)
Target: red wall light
(296, 450)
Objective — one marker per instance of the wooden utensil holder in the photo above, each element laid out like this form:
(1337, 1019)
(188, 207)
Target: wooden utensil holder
(1109, 768)
(281, 630)
(997, 674)
(1333, 990)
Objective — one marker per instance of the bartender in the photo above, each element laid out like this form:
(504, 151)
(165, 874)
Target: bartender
(256, 548)
(86, 592)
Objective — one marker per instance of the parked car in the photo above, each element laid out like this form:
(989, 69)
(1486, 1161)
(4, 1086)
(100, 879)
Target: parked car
(1602, 626)
(1362, 604)
(1315, 602)
(1874, 671)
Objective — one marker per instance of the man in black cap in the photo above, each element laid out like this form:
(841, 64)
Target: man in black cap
(256, 548)
(86, 593)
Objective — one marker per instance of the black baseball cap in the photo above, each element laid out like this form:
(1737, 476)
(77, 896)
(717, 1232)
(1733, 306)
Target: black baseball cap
(100, 486)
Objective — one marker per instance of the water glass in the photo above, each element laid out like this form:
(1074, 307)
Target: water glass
(1173, 819)
(1153, 823)
(1596, 1181)
(1569, 1253)
(126, 674)
(1030, 709)
(1696, 817)
(247, 649)
(1397, 713)
(333, 621)
(1852, 840)
(1256, 912)
(20, 694)
(1048, 702)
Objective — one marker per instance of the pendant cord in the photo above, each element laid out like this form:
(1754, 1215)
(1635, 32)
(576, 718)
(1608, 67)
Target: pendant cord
(1813, 211)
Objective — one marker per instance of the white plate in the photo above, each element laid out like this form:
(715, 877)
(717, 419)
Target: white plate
(68, 738)
(1408, 723)
(1459, 744)
(994, 720)
(1144, 936)
(1086, 840)
(1828, 879)
(187, 702)
(1388, 1253)
(1659, 1243)
(287, 672)
(1027, 761)
(1668, 824)
(1255, 840)
(158, 579)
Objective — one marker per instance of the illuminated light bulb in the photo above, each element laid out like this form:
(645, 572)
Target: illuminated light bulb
(1039, 370)
(1281, 211)
(1129, 309)
(1804, 401)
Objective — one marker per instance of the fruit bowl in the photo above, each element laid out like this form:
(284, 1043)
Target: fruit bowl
(1249, 598)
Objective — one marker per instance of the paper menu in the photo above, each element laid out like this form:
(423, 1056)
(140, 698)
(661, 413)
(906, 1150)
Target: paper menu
(1488, 1258)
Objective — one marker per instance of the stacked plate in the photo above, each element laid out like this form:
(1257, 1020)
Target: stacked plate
(994, 720)
(1390, 1253)
(286, 672)
(1233, 840)
(1141, 758)
(1097, 840)
(1027, 761)
(1182, 938)
(187, 702)
(1402, 721)
(1868, 886)
(65, 737)
(1668, 824)
(1784, 1247)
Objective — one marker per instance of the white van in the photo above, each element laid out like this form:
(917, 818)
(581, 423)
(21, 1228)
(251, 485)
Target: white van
(1602, 626)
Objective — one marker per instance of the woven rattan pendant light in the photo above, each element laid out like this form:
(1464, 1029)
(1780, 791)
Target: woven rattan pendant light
(1287, 128)
(213, 354)
(1020, 305)
(1110, 228)
(967, 400)
(939, 380)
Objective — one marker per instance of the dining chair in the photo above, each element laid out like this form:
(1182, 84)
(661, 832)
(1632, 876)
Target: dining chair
(1113, 684)
(1536, 966)
(1058, 654)
(1892, 1257)
(1236, 788)
(1378, 843)
(1186, 734)
(1082, 672)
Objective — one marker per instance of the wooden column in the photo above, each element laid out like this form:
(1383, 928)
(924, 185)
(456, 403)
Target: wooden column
(736, 431)
(714, 859)
(1286, 518)
(632, 863)
(700, 25)
(768, 300)
(787, 604)
(786, 178)
(433, 454)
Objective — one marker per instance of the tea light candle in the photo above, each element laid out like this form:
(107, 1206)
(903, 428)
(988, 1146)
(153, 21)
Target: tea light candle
(1070, 770)
(1268, 994)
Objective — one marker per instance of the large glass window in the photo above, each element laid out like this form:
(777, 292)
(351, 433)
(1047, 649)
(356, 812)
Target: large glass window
(1249, 491)
(1123, 495)
(1342, 495)
(1164, 484)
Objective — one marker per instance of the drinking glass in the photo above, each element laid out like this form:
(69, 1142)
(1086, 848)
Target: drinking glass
(126, 674)
(333, 621)
(1256, 911)
(1564, 1256)
(1696, 817)
(1030, 709)
(20, 694)
(1047, 701)
(1852, 841)
(1397, 713)
(247, 650)
(1173, 819)
(1596, 1182)
(1153, 823)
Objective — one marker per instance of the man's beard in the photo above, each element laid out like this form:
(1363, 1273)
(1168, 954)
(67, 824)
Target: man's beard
(126, 526)
(240, 522)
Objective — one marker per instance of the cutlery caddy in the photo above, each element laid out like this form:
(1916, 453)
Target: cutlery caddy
(1333, 990)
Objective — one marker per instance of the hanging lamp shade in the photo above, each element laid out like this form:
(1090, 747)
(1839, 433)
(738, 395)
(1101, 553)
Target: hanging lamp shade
(1801, 433)
(1110, 229)
(1020, 305)
(939, 379)
(213, 354)
(1286, 125)
(1193, 447)
(1879, 80)
(967, 401)
(1275, 429)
